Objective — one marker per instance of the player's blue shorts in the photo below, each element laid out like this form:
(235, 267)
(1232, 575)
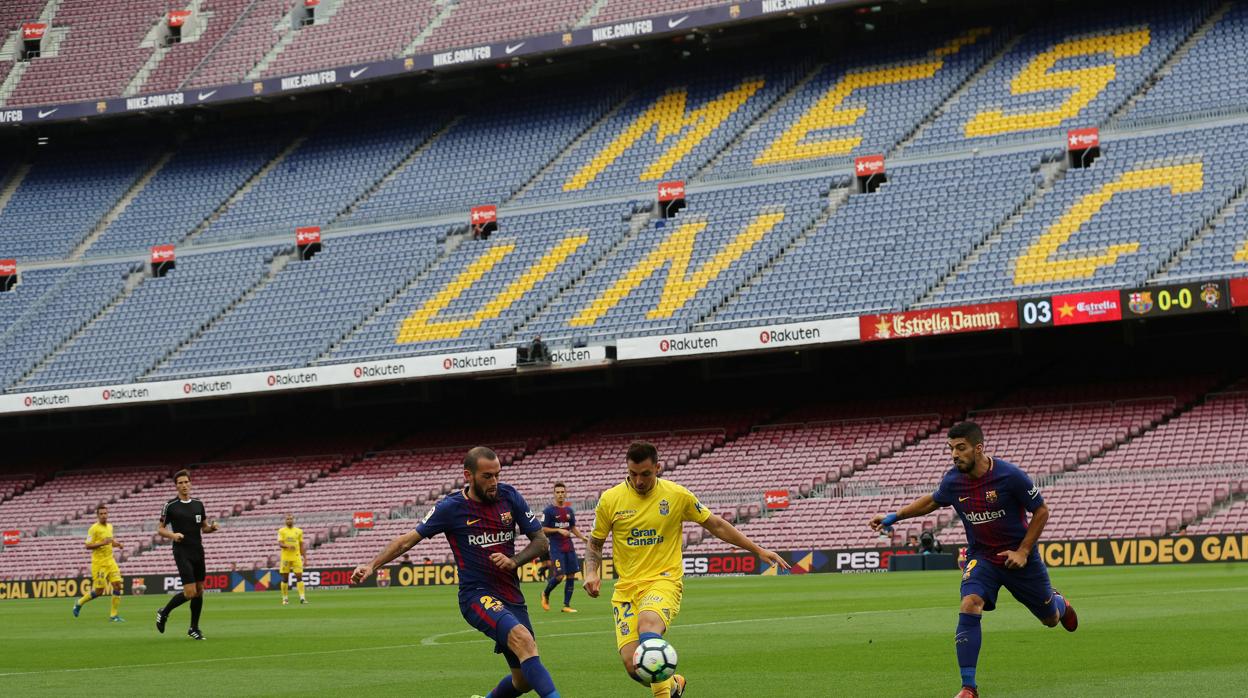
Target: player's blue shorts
(565, 563)
(1030, 585)
(496, 618)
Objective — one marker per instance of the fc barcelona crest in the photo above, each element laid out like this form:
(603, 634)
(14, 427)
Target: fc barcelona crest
(506, 517)
(1140, 302)
(663, 507)
(990, 496)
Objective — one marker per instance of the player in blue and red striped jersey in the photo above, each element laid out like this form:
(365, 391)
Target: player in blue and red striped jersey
(993, 498)
(559, 522)
(480, 523)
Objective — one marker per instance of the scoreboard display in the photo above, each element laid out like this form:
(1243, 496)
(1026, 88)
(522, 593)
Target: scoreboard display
(1176, 299)
(1137, 303)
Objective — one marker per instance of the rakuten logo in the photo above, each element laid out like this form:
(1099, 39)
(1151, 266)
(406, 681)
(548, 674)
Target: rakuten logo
(468, 362)
(695, 344)
(117, 394)
(802, 335)
(979, 517)
(293, 379)
(489, 540)
(383, 371)
(203, 387)
(570, 356)
(46, 400)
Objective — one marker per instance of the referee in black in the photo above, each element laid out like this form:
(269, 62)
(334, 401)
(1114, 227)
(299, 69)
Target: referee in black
(182, 521)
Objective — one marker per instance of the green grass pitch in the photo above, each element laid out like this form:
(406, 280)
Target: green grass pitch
(1145, 631)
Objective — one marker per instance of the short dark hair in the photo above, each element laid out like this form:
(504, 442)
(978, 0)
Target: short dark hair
(100, 506)
(969, 431)
(641, 451)
(180, 474)
(474, 456)
(560, 484)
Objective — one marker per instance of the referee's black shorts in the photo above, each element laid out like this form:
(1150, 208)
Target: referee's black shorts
(190, 562)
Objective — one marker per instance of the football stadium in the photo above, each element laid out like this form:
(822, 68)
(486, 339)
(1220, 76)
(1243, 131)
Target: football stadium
(367, 346)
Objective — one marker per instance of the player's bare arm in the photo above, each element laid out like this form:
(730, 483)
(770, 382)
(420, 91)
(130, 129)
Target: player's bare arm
(593, 566)
(578, 534)
(1017, 559)
(167, 534)
(538, 545)
(209, 527)
(730, 534)
(393, 549)
(920, 507)
(548, 530)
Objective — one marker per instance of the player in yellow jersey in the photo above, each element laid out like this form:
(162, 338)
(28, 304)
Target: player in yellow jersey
(105, 575)
(644, 516)
(291, 541)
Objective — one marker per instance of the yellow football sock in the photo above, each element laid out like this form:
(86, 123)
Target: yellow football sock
(662, 690)
(300, 585)
(85, 598)
(116, 604)
(285, 590)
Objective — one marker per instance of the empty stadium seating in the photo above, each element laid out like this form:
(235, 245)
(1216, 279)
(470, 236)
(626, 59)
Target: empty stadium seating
(308, 305)
(1186, 89)
(157, 316)
(1074, 70)
(884, 251)
(673, 272)
(477, 294)
(1114, 223)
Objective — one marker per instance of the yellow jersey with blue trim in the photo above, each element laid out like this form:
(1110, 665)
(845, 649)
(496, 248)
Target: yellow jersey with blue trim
(645, 529)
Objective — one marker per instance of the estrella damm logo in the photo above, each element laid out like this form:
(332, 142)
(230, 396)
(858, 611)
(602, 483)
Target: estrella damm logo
(969, 566)
(490, 603)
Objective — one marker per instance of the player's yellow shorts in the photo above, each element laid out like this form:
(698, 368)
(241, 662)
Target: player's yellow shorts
(104, 574)
(661, 596)
(289, 566)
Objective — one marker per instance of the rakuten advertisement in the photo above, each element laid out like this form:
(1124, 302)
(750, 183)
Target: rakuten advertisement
(743, 339)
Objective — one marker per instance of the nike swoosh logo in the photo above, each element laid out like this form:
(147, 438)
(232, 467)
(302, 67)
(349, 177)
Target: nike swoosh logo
(472, 521)
(205, 95)
(357, 73)
(45, 114)
(512, 49)
(963, 499)
(673, 23)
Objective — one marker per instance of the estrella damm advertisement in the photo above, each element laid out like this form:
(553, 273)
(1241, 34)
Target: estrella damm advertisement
(1146, 551)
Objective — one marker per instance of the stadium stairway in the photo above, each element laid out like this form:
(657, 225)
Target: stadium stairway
(572, 146)
(118, 208)
(251, 182)
(394, 172)
(132, 282)
(983, 70)
(1052, 173)
(521, 336)
(279, 262)
(1167, 67)
(1215, 226)
(836, 198)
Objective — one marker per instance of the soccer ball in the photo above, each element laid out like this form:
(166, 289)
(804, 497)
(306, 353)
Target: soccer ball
(655, 660)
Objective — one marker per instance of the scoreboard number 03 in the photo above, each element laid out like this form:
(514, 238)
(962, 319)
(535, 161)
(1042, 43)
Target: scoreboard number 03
(1038, 312)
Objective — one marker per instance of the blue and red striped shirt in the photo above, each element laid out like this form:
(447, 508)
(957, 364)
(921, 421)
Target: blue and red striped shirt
(475, 530)
(560, 517)
(993, 507)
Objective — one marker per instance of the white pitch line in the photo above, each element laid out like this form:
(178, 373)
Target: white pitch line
(431, 641)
